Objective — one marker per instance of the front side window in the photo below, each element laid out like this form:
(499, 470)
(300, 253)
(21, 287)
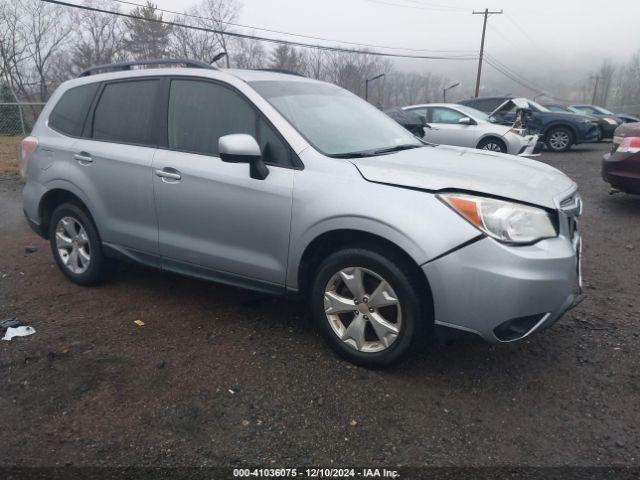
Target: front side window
(445, 115)
(69, 114)
(124, 113)
(333, 120)
(202, 112)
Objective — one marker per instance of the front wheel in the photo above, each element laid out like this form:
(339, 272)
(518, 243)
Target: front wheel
(493, 144)
(368, 306)
(559, 139)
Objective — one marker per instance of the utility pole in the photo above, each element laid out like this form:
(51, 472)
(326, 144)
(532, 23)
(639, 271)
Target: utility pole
(595, 89)
(486, 14)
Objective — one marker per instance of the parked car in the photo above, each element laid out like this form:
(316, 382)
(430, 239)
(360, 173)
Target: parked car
(605, 125)
(453, 124)
(611, 120)
(627, 118)
(621, 166)
(283, 184)
(558, 130)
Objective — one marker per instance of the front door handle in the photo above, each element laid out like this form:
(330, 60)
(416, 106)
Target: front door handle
(169, 175)
(83, 158)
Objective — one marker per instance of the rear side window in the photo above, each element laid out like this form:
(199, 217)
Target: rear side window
(202, 112)
(70, 112)
(124, 113)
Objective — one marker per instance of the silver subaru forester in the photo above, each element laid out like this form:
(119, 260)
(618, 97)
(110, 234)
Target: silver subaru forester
(282, 184)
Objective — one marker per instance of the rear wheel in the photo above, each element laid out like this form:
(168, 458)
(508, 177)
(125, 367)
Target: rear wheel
(559, 139)
(368, 306)
(493, 144)
(76, 246)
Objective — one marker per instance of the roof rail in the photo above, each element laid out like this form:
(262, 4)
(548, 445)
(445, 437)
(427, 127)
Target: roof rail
(281, 70)
(127, 65)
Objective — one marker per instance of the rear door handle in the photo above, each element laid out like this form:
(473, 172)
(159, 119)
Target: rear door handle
(83, 158)
(169, 175)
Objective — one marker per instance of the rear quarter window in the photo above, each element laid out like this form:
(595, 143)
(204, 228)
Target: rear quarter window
(69, 114)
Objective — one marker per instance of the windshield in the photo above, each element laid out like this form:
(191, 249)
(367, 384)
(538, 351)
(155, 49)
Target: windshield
(477, 114)
(575, 110)
(585, 109)
(537, 107)
(333, 120)
(604, 111)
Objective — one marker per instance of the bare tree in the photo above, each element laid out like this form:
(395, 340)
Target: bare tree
(13, 55)
(247, 53)
(99, 38)
(39, 30)
(216, 14)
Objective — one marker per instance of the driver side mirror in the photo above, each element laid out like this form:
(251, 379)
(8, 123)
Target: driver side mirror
(466, 121)
(243, 148)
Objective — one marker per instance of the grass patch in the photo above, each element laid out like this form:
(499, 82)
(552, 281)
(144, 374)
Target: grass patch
(9, 151)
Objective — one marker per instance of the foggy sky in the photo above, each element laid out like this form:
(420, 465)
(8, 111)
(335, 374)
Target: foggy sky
(539, 38)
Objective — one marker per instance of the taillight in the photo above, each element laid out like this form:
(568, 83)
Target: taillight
(28, 146)
(629, 145)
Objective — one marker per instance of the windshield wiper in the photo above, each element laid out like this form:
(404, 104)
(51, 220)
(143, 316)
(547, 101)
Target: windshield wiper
(395, 148)
(351, 155)
(373, 153)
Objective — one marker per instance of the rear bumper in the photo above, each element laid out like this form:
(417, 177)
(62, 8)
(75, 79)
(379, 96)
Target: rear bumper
(496, 291)
(622, 171)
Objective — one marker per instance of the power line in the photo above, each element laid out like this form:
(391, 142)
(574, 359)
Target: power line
(263, 39)
(251, 27)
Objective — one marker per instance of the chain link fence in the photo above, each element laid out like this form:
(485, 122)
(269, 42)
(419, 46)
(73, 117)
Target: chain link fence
(17, 119)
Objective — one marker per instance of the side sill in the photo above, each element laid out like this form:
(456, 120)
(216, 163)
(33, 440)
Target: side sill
(231, 279)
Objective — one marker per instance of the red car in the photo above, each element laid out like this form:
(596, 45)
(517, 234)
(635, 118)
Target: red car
(621, 167)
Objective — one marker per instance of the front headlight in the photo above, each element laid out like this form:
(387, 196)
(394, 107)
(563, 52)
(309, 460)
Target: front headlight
(507, 222)
(610, 121)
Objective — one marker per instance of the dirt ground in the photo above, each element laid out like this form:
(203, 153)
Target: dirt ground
(218, 376)
(9, 155)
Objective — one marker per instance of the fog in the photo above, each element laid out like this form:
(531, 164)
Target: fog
(548, 41)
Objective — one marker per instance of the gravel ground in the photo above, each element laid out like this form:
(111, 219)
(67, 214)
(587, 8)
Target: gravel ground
(218, 376)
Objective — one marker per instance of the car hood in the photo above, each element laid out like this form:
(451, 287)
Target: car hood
(436, 168)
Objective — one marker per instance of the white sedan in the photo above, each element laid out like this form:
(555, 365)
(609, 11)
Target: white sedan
(453, 124)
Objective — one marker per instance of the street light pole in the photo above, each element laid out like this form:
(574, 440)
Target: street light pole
(444, 91)
(366, 85)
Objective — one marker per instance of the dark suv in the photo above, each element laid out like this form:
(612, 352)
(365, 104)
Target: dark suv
(558, 130)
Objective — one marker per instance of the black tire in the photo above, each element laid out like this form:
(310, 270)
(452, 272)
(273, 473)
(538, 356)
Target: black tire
(554, 136)
(412, 297)
(492, 144)
(97, 266)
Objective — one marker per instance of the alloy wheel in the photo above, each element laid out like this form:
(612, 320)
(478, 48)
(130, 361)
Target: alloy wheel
(363, 309)
(559, 140)
(72, 243)
(493, 146)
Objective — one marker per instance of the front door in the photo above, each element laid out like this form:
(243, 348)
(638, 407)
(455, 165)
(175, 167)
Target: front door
(447, 131)
(213, 218)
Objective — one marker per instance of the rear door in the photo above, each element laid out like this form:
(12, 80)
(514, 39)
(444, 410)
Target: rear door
(113, 164)
(214, 219)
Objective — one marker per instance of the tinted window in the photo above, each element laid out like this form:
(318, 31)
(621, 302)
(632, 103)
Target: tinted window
(420, 112)
(445, 115)
(202, 112)
(71, 110)
(125, 112)
(486, 105)
(273, 148)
